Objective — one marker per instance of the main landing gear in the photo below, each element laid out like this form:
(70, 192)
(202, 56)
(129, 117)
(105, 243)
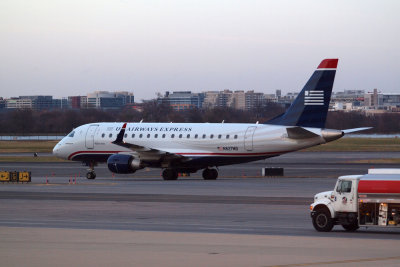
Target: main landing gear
(91, 174)
(170, 174)
(210, 174)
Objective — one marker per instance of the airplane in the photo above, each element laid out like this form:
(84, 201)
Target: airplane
(190, 147)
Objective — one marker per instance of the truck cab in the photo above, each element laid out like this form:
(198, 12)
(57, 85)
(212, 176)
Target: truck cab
(338, 206)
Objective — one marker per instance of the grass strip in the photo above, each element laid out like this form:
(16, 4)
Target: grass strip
(360, 145)
(27, 146)
(376, 161)
(31, 159)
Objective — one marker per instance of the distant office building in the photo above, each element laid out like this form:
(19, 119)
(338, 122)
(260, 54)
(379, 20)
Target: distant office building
(60, 103)
(108, 100)
(391, 100)
(225, 98)
(39, 102)
(237, 99)
(74, 102)
(254, 100)
(2, 103)
(210, 99)
(18, 103)
(347, 100)
(278, 94)
(373, 99)
(183, 100)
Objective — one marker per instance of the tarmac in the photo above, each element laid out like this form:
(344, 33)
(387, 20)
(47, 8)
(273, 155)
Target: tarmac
(63, 219)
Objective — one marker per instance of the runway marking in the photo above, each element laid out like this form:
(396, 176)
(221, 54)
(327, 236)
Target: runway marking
(336, 262)
(74, 184)
(165, 198)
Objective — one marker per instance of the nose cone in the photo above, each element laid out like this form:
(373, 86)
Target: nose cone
(56, 149)
(59, 150)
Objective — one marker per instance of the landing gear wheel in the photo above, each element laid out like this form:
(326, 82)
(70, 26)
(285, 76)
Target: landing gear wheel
(169, 174)
(322, 221)
(351, 227)
(210, 174)
(91, 175)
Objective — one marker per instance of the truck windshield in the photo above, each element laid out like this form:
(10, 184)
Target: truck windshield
(343, 186)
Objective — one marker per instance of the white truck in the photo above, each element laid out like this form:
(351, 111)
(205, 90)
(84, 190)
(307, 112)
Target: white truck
(366, 200)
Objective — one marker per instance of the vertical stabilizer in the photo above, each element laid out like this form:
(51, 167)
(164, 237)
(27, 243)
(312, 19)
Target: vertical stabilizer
(310, 108)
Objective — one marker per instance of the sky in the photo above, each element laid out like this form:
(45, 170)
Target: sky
(73, 47)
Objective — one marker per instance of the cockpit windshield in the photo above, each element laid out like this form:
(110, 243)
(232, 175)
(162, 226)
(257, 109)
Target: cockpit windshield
(71, 134)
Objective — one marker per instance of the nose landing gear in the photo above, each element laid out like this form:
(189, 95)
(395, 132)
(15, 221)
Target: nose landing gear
(91, 174)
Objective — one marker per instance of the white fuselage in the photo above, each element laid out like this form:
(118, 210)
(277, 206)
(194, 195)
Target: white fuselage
(191, 140)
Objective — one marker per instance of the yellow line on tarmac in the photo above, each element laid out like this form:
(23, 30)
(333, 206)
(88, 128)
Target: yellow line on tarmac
(336, 262)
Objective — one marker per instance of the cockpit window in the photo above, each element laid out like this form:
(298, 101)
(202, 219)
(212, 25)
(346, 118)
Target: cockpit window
(71, 134)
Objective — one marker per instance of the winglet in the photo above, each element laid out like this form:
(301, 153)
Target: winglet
(120, 135)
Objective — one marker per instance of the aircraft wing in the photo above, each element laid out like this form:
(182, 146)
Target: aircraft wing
(145, 152)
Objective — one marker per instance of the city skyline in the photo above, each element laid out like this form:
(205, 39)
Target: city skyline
(62, 48)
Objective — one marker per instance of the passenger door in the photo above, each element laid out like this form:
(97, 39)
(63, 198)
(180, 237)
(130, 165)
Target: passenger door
(90, 136)
(248, 138)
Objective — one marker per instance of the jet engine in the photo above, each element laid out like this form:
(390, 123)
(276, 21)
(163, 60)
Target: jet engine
(120, 163)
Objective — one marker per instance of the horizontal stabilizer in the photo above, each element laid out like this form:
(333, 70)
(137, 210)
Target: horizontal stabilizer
(356, 130)
(299, 133)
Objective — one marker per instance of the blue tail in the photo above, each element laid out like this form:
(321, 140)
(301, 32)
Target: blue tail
(310, 108)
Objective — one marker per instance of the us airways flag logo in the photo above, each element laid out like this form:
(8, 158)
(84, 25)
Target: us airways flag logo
(314, 98)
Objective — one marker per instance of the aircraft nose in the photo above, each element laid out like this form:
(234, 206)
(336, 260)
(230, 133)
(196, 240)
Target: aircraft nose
(57, 150)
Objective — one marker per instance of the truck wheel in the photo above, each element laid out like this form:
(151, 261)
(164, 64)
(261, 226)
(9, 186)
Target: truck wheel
(351, 227)
(322, 221)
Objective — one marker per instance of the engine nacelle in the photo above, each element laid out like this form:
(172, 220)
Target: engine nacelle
(120, 163)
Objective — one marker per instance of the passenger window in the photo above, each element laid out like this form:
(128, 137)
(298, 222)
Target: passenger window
(235, 136)
(125, 135)
(211, 136)
(180, 136)
(188, 136)
(103, 135)
(140, 135)
(163, 136)
(148, 135)
(219, 136)
(227, 136)
(344, 186)
(196, 135)
(156, 136)
(133, 135)
(172, 135)
(204, 136)
(110, 135)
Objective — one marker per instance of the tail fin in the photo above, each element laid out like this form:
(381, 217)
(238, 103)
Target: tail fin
(310, 107)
